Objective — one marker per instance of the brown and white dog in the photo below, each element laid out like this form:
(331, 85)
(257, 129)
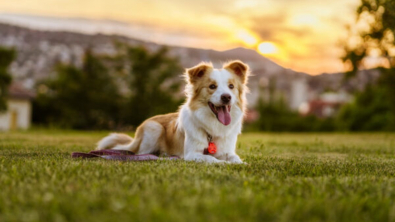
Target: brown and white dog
(213, 112)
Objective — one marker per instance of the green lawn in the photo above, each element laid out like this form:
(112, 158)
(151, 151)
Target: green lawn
(288, 177)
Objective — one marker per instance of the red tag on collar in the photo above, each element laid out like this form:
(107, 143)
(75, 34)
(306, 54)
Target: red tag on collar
(211, 149)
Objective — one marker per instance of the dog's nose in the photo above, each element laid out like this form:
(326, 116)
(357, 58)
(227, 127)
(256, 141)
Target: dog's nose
(225, 98)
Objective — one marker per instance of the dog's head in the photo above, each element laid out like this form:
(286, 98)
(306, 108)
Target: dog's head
(217, 89)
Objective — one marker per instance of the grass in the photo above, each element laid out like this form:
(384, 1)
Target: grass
(289, 177)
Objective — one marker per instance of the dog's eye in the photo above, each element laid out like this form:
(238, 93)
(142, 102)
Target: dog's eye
(231, 86)
(212, 86)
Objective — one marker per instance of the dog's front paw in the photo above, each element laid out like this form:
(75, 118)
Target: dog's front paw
(197, 157)
(234, 159)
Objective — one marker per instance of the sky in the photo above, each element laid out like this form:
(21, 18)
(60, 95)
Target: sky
(303, 35)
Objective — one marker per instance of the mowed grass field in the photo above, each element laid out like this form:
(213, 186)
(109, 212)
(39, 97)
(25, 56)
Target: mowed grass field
(288, 177)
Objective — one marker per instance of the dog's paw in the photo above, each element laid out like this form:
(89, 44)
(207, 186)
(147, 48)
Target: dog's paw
(203, 158)
(234, 159)
(215, 161)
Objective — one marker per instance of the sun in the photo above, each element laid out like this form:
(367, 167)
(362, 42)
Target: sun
(267, 48)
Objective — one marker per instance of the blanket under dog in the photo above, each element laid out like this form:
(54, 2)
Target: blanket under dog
(122, 155)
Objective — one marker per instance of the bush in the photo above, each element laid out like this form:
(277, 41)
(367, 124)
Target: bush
(373, 109)
(6, 58)
(76, 98)
(90, 98)
(276, 116)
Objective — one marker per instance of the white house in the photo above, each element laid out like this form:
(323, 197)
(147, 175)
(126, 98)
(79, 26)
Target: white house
(19, 109)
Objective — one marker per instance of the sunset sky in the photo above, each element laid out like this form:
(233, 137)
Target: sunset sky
(303, 35)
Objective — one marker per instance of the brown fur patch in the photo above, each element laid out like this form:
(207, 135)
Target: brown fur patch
(170, 141)
(238, 90)
(241, 71)
(138, 137)
(197, 72)
(239, 68)
(201, 92)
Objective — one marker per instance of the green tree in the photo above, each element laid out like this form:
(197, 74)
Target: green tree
(6, 58)
(276, 116)
(374, 108)
(81, 98)
(372, 34)
(152, 80)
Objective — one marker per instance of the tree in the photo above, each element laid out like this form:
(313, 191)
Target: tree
(373, 109)
(152, 80)
(6, 58)
(80, 98)
(372, 35)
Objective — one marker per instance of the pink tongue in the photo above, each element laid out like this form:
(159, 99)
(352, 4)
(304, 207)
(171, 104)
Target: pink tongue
(223, 115)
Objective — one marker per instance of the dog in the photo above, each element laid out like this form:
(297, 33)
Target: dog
(213, 113)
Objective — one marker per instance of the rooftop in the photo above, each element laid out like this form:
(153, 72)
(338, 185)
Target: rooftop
(18, 91)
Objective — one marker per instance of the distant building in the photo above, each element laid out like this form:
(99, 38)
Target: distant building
(299, 93)
(251, 115)
(327, 105)
(19, 111)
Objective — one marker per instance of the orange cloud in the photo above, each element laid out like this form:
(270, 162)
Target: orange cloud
(305, 32)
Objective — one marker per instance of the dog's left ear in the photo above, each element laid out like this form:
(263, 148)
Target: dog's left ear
(239, 68)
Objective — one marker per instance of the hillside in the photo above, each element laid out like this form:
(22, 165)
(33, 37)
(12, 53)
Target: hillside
(38, 52)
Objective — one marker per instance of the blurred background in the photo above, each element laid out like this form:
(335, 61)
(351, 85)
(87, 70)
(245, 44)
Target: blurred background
(100, 64)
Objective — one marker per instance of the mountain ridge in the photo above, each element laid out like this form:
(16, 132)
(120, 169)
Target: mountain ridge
(38, 51)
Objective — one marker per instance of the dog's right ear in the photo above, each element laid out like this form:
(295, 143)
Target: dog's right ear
(195, 73)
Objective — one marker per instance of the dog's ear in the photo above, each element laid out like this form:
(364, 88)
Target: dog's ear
(195, 73)
(239, 68)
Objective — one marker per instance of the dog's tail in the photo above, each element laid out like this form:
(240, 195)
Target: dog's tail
(113, 140)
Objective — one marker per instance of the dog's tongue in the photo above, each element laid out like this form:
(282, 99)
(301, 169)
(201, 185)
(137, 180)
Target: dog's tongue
(223, 115)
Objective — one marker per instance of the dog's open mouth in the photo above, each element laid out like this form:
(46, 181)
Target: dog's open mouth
(221, 112)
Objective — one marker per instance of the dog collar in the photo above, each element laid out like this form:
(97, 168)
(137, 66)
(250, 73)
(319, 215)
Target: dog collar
(212, 148)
